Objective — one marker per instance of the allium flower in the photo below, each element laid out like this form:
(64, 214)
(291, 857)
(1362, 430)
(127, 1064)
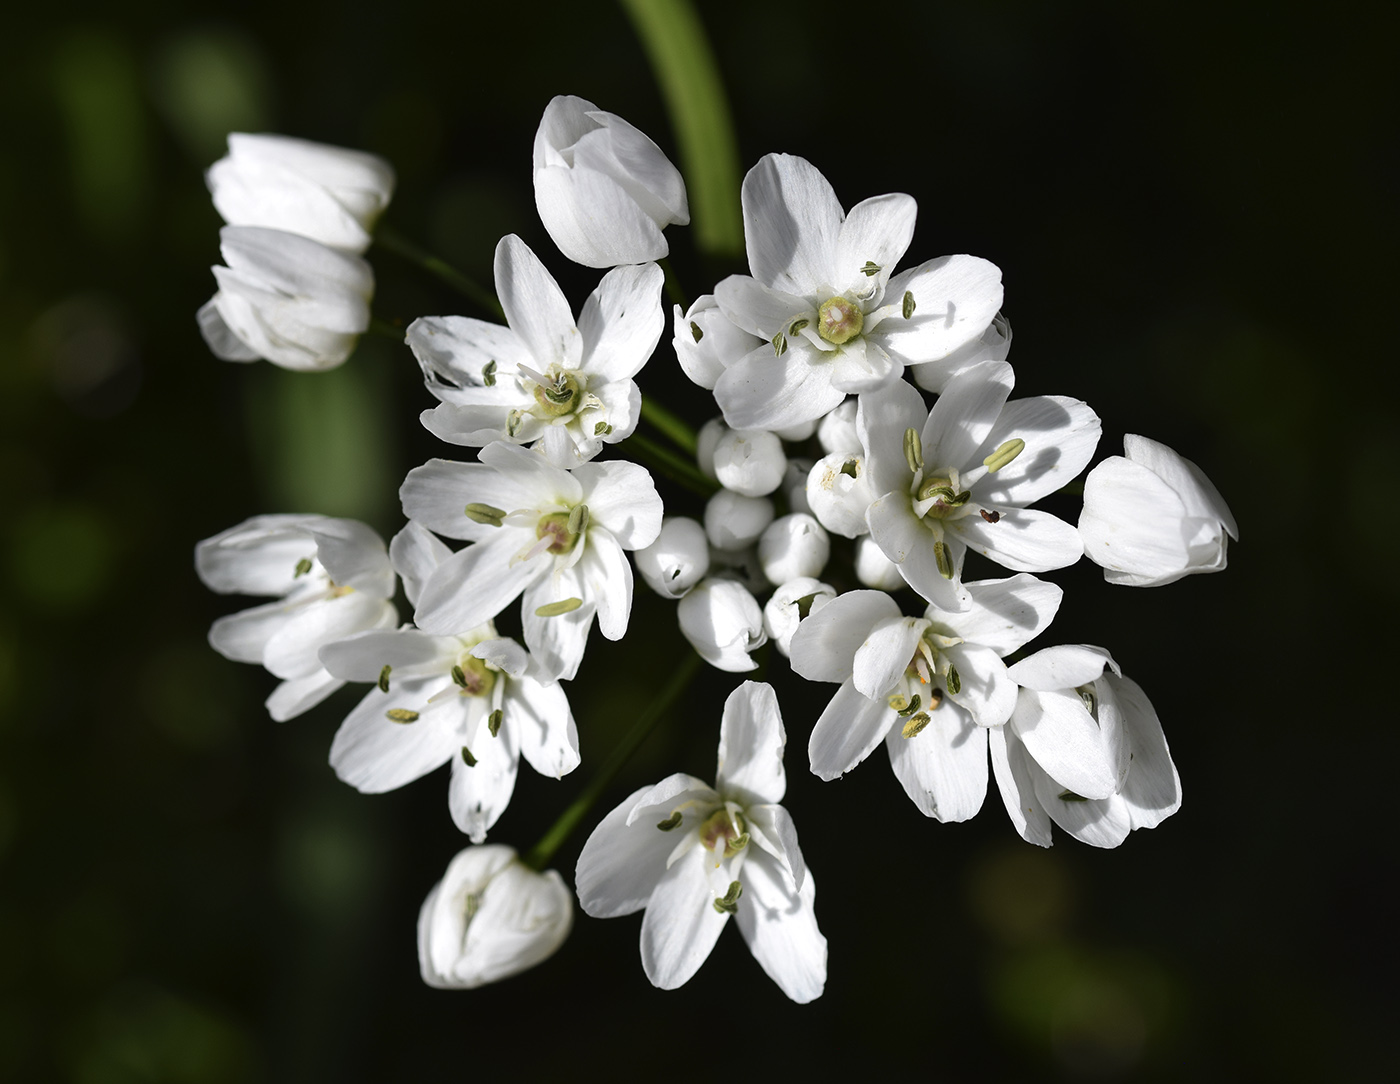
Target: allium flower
(476, 700)
(677, 560)
(285, 298)
(543, 379)
(490, 917)
(721, 620)
(793, 547)
(557, 536)
(1084, 748)
(962, 474)
(693, 855)
(1153, 517)
(706, 342)
(604, 191)
(822, 298)
(928, 687)
(735, 522)
(329, 194)
(750, 462)
(790, 605)
(331, 578)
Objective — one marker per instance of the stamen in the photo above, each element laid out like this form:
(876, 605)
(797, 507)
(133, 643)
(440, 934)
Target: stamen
(779, 344)
(303, 567)
(729, 902)
(488, 374)
(908, 304)
(915, 725)
(494, 720)
(673, 821)
(943, 559)
(554, 609)
(913, 450)
(797, 325)
(871, 269)
(921, 665)
(458, 677)
(578, 519)
(384, 678)
(911, 707)
(468, 758)
(1004, 454)
(695, 331)
(485, 513)
(953, 680)
(1070, 796)
(401, 715)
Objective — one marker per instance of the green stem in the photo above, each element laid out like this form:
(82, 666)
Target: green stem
(400, 245)
(684, 66)
(538, 856)
(680, 470)
(670, 425)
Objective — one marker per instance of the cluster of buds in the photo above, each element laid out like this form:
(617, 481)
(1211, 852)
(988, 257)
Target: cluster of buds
(840, 509)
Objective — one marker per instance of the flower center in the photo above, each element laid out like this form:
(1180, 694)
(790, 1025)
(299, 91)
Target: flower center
(723, 833)
(555, 527)
(473, 676)
(839, 320)
(558, 394)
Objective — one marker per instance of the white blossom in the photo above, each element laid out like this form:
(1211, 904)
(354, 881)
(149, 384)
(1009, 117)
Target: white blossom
(692, 855)
(706, 342)
(789, 605)
(677, 560)
(838, 492)
(735, 522)
(750, 461)
(721, 620)
(994, 344)
(793, 547)
(490, 917)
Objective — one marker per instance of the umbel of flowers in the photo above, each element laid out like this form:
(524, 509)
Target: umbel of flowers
(821, 440)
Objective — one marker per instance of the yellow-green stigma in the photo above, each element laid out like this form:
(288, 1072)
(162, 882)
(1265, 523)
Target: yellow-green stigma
(839, 320)
(559, 396)
(719, 833)
(473, 676)
(555, 526)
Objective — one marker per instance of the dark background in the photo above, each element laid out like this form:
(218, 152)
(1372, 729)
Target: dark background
(1192, 207)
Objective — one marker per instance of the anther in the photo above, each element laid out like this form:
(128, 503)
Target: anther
(459, 677)
(953, 680)
(779, 344)
(468, 758)
(554, 609)
(909, 708)
(401, 715)
(729, 902)
(943, 559)
(871, 269)
(578, 519)
(673, 821)
(488, 374)
(1070, 796)
(485, 513)
(913, 450)
(493, 722)
(797, 325)
(915, 725)
(1004, 454)
(908, 304)
(303, 567)
(384, 678)
(695, 332)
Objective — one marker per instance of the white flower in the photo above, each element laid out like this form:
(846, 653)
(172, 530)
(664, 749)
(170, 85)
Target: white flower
(994, 344)
(331, 578)
(750, 461)
(1083, 748)
(822, 298)
(793, 547)
(962, 474)
(1153, 517)
(735, 522)
(722, 621)
(604, 191)
(490, 917)
(328, 194)
(557, 536)
(677, 560)
(544, 379)
(789, 605)
(928, 687)
(693, 855)
(285, 298)
(476, 700)
(838, 491)
(705, 341)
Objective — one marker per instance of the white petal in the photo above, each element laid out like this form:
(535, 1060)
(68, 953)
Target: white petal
(621, 322)
(987, 692)
(779, 923)
(411, 654)
(681, 924)
(1197, 492)
(1134, 524)
(1013, 772)
(257, 557)
(480, 792)
(291, 698)
(758, 309)
(557, 642)
(943, 768)
(374, 754)
(535, 307)
(293, 651)
(1006, 614)
(1063, 738)
(454, 353)
(964, 414)
(622, 498)
(1153, 790)
(1060, 434)
(761, 391)
(436, 494)
(1061, 667)
(955, 299)
(415, 553)
(594, 220)
(825, 644)
(882, 419)
(751, 741)
(878, 230)
(539, 716)
(607, 581)
(848, 731)
(884, 656)
(620, 866)
(792, 225)
(476, 583)
(1023, 539)
(1104, 823)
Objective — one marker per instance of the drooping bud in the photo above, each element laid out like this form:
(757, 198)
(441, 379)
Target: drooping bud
(793, 547)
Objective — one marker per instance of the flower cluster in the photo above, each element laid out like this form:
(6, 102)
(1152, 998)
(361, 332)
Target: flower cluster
(847, 519)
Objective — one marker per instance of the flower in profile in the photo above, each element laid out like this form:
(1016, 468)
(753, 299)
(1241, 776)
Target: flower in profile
(556, 536)
(1151, 517)
(1084, 748)
(833, 317)
(329, 194)
(490, 917)
(285, 298)
(331, 578)
(543, 380)
(604, 191)
(693, 855)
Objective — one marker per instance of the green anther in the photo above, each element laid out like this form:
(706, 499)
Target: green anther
(485, 513)
(513, 420)
(915, 725)
(559, 396)
(673, 821)
(851, 468)
(1004, 454)
(578, 519)
(953, 680)
(734, 846)
(554, 609)
(493, 722)
(871, 269)
(695, 331)
(908, 304)
(910, 708)
(1070, 796)
(384, 678)
(488, 374)
(401, 715)
(913, 450)
(468, 758)
(303, 567)
(459, 678)
(797, 325)
(729, 902)
(779, 345)
(935, 487)
(943, 559)
(898, 702)
(602, 429)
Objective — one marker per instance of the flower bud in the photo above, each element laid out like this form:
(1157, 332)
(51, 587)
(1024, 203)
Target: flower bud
(285, 298)
(706, 343)
(874, 569)
(790, 604)
(793, 547)
(490, 917)
(677, 560)
(705, 443)
(722, 621)
(733, 521)
(604, 191)
(839, 493)
(750, 461)
(837, 431)
(795, 434)
(329, 194)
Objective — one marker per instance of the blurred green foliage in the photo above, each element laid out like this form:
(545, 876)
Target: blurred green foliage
(1193, 208)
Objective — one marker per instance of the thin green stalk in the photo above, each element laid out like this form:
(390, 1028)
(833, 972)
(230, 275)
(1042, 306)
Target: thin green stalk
(684, 66)
(670, 425)
(400, 245)
(680, 470)
(538, 856)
